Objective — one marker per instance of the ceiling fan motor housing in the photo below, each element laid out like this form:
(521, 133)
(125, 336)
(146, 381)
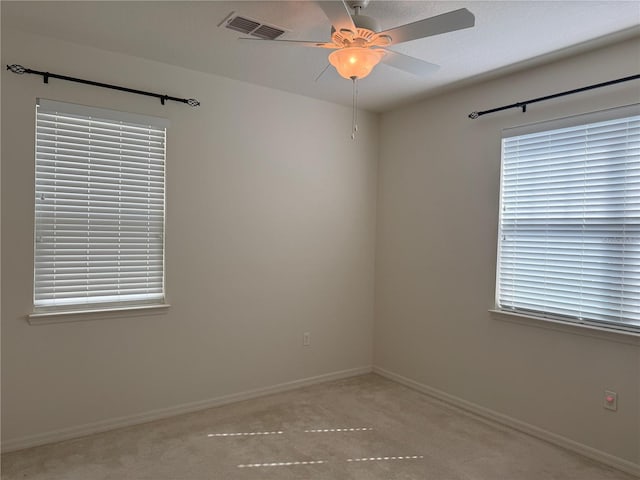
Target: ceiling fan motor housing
(366, 27)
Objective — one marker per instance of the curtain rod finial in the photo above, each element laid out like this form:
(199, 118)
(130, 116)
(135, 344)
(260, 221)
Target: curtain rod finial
(192, 102)
(15, 68)
(473, 115)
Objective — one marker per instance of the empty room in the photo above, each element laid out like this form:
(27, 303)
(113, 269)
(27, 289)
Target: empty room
(320, 240)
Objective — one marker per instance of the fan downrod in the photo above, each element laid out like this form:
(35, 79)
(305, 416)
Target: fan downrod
(357, 4)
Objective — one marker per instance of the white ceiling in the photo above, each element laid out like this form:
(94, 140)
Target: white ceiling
(186, 34)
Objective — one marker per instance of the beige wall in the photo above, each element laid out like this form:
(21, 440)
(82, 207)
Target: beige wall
(270, 233)
(435, 272)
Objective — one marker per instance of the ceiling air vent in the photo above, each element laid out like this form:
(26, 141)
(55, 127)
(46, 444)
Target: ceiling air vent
(267, 32)
(249, 26)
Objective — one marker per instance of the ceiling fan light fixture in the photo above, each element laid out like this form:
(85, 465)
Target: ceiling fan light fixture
(355, 62)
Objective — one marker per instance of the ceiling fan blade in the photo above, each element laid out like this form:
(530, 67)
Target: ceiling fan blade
(409, 64)
(338, 14)
(447, 22)
(299, 43)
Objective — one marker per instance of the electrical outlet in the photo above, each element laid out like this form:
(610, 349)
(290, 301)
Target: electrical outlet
(610, 400)
(306, 339)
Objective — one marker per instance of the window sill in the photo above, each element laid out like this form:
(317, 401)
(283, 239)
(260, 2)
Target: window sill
(65, 316)
(574, 328)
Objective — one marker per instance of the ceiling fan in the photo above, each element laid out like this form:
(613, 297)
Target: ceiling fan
(359, 45)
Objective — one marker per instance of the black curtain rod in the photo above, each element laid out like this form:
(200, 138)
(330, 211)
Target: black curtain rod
(523, 105)
(19, 69)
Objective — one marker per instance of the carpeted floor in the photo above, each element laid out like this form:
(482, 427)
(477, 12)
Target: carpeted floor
(364, 428)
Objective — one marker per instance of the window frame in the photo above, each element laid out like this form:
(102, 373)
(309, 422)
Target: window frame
(517, 314)
(80, 310)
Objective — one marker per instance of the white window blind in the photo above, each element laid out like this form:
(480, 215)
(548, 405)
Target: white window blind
(569, 240)
(99, 215)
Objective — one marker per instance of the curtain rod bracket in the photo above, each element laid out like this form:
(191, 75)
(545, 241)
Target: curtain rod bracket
(19, 69)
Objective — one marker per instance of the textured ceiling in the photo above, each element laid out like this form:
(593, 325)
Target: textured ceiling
(186, 34)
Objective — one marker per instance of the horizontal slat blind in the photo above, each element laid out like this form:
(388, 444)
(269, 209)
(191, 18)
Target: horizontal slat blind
(569, 244)
(99, 209)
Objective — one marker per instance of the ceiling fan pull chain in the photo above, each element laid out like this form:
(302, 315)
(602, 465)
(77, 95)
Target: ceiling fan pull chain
(355, 105)
(354, 113)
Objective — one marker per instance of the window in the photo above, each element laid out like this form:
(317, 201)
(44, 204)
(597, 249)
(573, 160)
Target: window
(569, 239)
(99, 210)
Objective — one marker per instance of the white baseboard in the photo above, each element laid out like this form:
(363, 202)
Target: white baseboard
(485, 413)
(119, 422)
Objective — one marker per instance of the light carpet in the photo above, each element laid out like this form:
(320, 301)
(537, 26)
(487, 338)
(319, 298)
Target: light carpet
(361, 428)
